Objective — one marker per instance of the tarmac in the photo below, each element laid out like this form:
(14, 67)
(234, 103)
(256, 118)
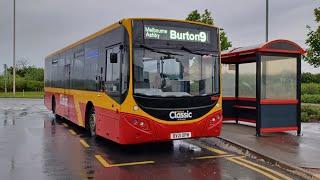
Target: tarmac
(35, 145)
(302, 151)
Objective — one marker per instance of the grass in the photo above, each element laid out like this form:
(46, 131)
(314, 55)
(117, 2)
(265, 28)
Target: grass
(31, 94)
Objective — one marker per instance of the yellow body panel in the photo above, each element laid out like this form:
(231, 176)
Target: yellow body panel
(100, 99)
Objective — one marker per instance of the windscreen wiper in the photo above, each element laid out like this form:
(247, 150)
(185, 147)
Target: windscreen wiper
(158, 51)
(193, 52)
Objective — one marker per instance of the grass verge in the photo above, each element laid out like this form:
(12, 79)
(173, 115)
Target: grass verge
(32, 94)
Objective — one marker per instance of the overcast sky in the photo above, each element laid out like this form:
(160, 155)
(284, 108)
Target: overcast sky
(43, 26)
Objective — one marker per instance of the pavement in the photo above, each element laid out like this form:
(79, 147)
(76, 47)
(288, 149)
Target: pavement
(35, 145)
(302, 151)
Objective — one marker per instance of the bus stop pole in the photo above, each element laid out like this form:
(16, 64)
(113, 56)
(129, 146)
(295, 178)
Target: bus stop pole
(237, 90)
(258, 94)
(299, 95)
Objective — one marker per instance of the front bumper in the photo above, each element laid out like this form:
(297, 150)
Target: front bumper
(154, 131)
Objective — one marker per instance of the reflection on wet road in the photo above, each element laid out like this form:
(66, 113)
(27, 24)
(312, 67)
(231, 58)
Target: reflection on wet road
(35, 146)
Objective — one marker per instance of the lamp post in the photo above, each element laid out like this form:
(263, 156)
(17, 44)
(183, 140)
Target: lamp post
(14, 48)
(267, 20)
(5, 78)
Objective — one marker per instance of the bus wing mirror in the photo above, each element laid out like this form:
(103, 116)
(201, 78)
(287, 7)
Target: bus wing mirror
(113, 57)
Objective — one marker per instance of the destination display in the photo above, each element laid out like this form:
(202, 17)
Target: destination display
(176, 34)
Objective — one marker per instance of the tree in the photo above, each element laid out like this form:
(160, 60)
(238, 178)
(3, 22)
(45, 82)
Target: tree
(313, 42)
(29, 78)
(207, 18)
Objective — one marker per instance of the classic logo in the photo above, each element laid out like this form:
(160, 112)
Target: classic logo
(180, 115)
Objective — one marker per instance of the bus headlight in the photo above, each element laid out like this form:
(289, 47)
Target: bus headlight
(212, 121)
(215, 118)
(139, 123)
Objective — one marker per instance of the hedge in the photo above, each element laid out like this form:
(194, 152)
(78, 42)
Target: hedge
(310, 113)
(310, 88)
(21, 84)
(310, 78)
(311, 98)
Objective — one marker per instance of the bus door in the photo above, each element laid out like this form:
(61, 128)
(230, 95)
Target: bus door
(113, 85)
(66, 97)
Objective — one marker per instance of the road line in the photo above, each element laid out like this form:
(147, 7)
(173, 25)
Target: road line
(65, 125)
(84, 143)
(72, 132)
(108, 165)
(282, 176)
(241, 161)
(212, 157)
(252, 168)
(217, 151)
(102, 161)
(132, 163)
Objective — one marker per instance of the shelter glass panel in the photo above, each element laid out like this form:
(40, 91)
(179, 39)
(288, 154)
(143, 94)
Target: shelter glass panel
(278, 77)
(247, 80)
(229, 80)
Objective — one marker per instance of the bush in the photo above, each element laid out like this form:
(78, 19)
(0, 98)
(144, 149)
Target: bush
(311, 98)
(310, 88)
(310, 113)
(310, 78)
(21, 84)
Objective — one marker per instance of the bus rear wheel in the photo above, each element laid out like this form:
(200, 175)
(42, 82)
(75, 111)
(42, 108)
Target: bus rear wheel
(92, 123)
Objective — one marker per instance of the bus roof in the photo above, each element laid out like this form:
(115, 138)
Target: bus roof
(115, 25)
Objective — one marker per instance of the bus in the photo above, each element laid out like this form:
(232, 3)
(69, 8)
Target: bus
(140, 80)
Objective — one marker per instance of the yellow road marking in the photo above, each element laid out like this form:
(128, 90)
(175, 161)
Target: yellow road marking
(217, 151)
(84, 143)
(108, 165)
(72, 132)
(65, 125)
(263, 168)
(212, 157)
(132, 163)
(102, 161)
(241, 161)
(252, 168)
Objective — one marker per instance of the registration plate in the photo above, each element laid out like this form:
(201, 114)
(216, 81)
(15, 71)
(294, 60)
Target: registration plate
(181, 135)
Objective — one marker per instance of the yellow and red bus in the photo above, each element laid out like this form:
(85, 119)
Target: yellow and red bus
(140, 80)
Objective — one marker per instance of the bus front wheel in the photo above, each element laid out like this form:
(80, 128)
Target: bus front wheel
(92, 123)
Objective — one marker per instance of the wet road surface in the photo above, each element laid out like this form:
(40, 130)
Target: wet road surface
(33, 145)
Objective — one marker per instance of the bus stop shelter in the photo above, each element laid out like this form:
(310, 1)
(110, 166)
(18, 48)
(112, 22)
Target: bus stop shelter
(261, 85)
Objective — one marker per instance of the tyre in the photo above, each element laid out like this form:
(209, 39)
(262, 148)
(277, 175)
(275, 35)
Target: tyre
(54, 109)
(92, 123)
